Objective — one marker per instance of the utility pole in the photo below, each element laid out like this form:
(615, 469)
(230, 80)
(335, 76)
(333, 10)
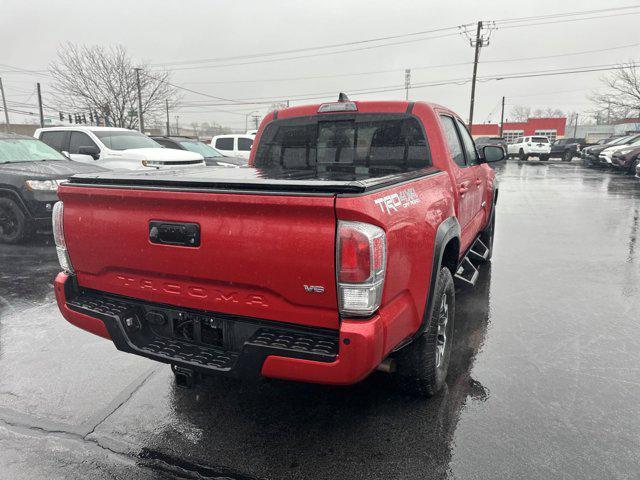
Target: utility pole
(575, 126)
(256, 120)
(478, 45)
(166, 105)
(177, 125)
(4, 105)
(140, 119)
(502, 118)
(40, 105)
(407, 82)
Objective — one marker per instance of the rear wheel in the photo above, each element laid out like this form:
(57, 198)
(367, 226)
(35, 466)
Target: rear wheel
(421, 366)
(522, 156)
(567, 156)
(634, 164)
(13, 224)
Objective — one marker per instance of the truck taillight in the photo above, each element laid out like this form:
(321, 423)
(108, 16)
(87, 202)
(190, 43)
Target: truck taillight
(58, 237)
(361, 261)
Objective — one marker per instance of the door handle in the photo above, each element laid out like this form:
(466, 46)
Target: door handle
(463, 187)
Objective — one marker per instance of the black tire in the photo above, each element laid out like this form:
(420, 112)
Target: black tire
(567, 156)
(421, 366)
(544, 158)
(13, 224)
(633, 165)
(522, 156)
(487, 234)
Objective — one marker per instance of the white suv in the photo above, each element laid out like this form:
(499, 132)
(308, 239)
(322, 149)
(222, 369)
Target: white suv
(115, 148)
(233, 145)
(525, 147)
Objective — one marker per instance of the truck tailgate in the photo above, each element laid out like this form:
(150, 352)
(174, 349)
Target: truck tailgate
(257, 252)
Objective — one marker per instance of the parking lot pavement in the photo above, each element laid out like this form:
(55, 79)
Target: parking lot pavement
(544, 382)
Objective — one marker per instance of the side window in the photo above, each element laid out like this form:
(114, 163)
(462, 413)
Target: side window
(469, 147)
(54, 139)
(453, 140)
(79, 139)
(244, 144)
(224, 143)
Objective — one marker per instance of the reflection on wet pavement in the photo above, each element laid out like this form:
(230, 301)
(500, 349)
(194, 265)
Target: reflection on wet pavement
(544, 381)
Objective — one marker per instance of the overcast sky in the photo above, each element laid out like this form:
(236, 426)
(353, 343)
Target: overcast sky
(162, 31)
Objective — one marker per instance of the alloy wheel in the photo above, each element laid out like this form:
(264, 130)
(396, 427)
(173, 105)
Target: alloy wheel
(441, 336)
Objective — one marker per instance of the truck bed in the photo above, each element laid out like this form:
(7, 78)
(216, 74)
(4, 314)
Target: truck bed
(249, 179)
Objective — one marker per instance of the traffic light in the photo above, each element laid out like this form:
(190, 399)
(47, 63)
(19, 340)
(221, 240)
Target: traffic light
(61, 116)
(84, 118)
(91, 117)
(70, 118)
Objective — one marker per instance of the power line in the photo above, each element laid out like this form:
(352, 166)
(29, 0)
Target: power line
(305, 49)
(459, 81)
(271, 60)
(443, 29)
(396, 70)
(566, 14)
(565, 21)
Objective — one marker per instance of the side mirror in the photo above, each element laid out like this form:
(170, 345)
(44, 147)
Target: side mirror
(90, 150)
(492, 153)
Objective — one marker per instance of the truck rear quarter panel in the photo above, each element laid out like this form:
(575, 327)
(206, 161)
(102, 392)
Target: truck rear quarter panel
(410, 214)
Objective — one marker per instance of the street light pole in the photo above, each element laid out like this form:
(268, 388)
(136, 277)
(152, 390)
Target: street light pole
(40, 105)
(140, 119)
(4, 105)
(502, 118)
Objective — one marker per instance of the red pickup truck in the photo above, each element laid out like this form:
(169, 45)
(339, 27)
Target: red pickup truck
(333, 255)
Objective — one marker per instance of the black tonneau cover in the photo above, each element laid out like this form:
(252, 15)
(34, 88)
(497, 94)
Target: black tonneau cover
(246, 179)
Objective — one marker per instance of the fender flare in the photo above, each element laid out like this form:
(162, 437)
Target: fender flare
(13, 195)
(494, 201)
(447, 231)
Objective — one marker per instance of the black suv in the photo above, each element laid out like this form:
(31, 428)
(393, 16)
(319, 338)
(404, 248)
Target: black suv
(30, 172)
(212, 157)
(566, 148)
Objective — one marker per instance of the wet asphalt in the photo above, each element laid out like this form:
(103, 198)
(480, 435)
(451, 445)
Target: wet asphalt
(544, 381)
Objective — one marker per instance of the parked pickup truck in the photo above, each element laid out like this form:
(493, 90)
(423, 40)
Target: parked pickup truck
(332, 256)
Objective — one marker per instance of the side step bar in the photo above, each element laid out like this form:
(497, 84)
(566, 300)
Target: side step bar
(467, 273)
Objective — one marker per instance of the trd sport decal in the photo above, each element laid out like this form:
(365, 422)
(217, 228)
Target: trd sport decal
(404, 199)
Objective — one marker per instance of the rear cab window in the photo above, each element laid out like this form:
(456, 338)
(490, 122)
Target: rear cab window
(539, 139)
(224, 143)
(362, 145)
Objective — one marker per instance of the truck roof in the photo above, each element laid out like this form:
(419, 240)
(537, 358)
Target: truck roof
(366, 106)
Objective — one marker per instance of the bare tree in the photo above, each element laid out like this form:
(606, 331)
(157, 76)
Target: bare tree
(620, 97)
(519, 113)
(548, 113)
(102, 80)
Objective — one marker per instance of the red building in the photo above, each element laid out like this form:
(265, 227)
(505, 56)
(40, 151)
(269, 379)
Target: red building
(549, 127)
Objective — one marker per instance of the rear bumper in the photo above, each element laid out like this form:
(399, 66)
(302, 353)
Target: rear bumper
(342, 357)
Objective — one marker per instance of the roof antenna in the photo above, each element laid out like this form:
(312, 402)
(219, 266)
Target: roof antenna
(342, 97)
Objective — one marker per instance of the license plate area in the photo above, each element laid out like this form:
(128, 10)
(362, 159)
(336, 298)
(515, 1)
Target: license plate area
(198, 328)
